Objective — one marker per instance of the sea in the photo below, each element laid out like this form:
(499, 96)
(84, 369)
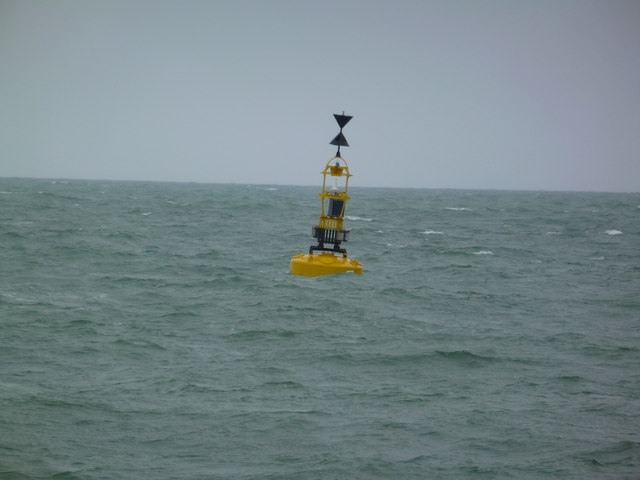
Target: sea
(153, 331)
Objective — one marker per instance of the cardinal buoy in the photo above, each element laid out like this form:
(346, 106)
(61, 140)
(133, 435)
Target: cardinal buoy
(330, 232)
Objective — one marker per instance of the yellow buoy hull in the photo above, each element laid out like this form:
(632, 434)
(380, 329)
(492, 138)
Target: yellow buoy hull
(316, 264)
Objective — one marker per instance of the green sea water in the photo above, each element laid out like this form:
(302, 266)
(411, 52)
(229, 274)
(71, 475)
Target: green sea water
(152, 331)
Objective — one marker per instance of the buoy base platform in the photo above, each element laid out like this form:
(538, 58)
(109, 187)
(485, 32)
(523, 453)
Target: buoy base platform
(316, 264)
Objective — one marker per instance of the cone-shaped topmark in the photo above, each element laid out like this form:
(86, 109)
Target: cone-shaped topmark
(342, 120)
(339, 140)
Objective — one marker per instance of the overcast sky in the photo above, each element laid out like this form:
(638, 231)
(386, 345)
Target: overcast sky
(489, 94)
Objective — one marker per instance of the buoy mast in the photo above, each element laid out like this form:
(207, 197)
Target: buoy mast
(334, 198)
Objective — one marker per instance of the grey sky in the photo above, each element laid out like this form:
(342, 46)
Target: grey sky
(513, 94)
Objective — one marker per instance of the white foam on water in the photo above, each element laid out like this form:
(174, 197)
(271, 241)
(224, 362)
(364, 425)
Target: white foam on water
(355, 219)
(432, 232)
(272, 189)
(146, 213)
(553, 233)
(458, 209)
(613, 232)
(597, 258)
(483, 252)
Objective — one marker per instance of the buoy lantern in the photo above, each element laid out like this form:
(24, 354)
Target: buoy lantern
(330, 232)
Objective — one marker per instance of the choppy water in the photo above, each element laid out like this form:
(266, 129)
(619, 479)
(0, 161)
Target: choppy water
(152, 330)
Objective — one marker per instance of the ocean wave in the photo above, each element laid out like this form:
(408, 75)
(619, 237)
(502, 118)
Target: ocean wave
(67, 404)
(483, 252)
(569, 379)
(396, 245)
(623, 452)
(358, 219)
(181, 315)
(283, 384)
(458, 209)
(610, 351)
(461, 357)
(138, 345)
(464, 356)
(249, 335)
(432, 232)
(613, 232)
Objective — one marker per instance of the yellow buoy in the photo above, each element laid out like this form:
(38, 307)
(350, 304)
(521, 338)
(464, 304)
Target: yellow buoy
(314, 264)
(330, 232)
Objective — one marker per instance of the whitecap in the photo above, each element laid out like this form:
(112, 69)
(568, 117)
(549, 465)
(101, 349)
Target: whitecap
(613, 232)
(553, 233)
(272, 189)
(483, 252)
(146, 213)
(348, 217)
(432, 232)
(458, 209)
(597, 258)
